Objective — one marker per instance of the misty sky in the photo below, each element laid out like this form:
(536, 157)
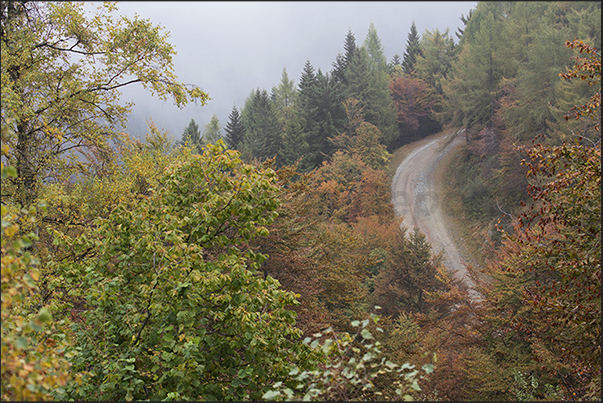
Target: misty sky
(232, 48)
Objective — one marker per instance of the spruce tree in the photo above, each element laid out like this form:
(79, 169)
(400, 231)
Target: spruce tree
(262, 135)
(343, 61)
(234, 130)
(308, 107)
(294, 145)
(396, 61)
(413, 49)
(372, 92)
(191, 136)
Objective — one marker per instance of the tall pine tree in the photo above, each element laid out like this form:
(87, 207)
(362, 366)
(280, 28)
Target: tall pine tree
(191, 136)
(413, 49)
(234, 130)
(434, 65)
(262, 135)
(343, 61)
(386, 115)
(396, 61)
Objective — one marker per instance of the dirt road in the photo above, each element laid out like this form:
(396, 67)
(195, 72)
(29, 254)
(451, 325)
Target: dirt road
(417, 199)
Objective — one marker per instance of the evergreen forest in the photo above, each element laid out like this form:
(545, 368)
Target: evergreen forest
(261, 258)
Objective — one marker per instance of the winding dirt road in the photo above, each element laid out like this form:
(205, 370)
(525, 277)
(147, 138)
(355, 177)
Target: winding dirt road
(417, 200)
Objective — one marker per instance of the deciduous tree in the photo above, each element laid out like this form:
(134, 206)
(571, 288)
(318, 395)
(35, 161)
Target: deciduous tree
(61, 75)
(175, 308)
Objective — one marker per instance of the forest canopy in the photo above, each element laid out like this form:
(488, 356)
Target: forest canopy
(267, 263)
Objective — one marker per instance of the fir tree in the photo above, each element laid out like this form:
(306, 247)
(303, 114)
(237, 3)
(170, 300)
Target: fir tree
(396, 61)
(191, 136)
(294, 145)
(262, 135)
(234, 130)
(413, 49)
(343, 61)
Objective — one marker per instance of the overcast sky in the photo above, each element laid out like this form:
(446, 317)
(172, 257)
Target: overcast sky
(232, 48)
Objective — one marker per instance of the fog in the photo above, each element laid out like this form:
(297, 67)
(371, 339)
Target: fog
(232, 48)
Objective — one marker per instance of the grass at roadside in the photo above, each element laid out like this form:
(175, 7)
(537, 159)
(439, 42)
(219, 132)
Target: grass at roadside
(468, 234)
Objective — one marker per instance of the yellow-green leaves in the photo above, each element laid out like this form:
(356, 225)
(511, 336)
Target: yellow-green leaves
(355, 368)
(62, 70)
(173, 289)
(32, 362)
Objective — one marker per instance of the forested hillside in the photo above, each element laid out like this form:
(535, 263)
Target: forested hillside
(263, 260)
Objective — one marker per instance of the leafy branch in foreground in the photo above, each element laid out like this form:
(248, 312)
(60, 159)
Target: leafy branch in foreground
(355, 369)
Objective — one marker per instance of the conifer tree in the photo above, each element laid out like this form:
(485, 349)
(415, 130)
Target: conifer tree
(191, 136)
(307, 82)
(435, 63)
(234, 130)
(284, 99)
(294, 145)
(413, 49)
(262, 135)
(396, 61)
(343, 61)
(308, 108)
(460, 31)
(372, 92)
(328, 116)
(372, 43)
(212, 131)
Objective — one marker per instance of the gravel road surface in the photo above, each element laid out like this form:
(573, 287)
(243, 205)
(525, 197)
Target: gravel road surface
(417, 199)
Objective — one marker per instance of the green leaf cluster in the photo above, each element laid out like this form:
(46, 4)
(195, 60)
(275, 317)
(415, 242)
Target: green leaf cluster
(355, 367)
(174, 306)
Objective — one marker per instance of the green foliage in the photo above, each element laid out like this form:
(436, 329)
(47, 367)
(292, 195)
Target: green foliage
(234, 130)
(284, 98)
(212, 131)
(372, 43)
(525, 390)
(61, 75)
(412, 52)
(191, 136)
(343, 61)
(367, 146)
(355, 367)
(262, 139)
(545, 294)
(294, 145)
(434, 64)
(174, 307)
(409, 277)
(321, 112)
(33, 359)
(473, 89)
(367, 81)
